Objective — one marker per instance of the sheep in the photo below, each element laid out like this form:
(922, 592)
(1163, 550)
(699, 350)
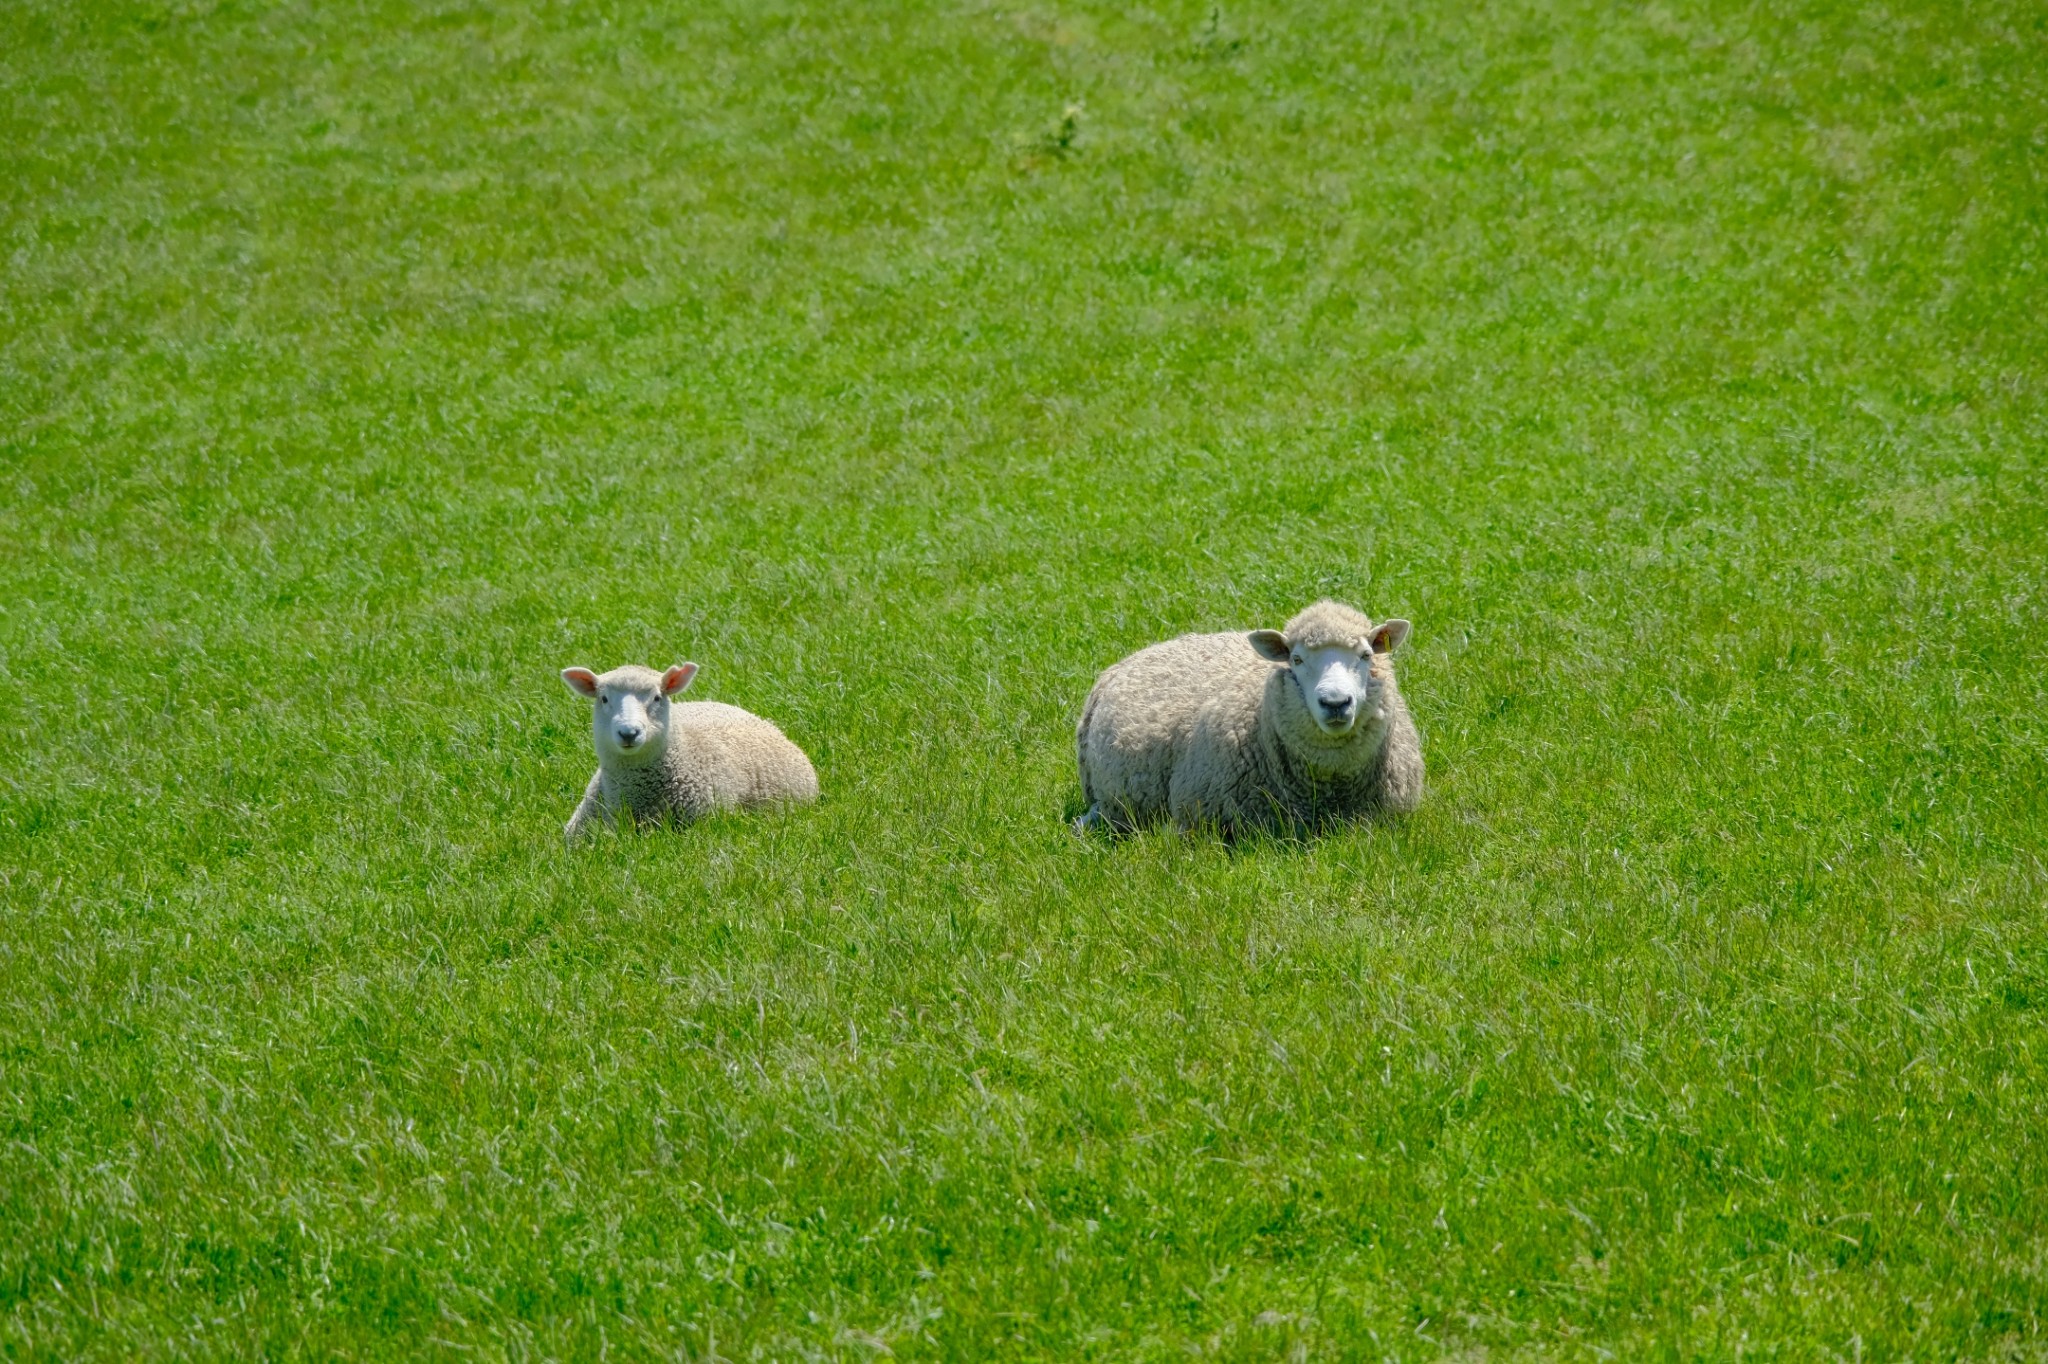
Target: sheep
(1272, 729)
(657, 757)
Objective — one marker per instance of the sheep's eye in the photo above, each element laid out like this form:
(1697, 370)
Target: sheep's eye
(1297, 660)
(603, 699)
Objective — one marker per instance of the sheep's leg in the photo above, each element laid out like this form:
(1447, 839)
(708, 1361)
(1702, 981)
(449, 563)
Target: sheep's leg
(589, 808)
(1112, 820)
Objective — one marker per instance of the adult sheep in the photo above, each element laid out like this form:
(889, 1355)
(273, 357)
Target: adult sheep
(659, 758)
(1273, 729)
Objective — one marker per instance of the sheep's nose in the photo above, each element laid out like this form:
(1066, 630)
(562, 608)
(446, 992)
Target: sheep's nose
(1336, 705)
(628, 735)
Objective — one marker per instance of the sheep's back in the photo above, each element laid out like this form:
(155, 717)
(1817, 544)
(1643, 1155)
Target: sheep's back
(1141, 710)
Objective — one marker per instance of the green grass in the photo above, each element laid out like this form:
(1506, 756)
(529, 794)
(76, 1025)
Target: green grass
(1681, 371)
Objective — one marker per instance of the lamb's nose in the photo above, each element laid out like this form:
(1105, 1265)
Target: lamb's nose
(628, 735)
(1336, 704)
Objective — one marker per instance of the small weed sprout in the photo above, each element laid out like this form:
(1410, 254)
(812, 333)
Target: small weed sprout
(1060, 141)
(1210, 42)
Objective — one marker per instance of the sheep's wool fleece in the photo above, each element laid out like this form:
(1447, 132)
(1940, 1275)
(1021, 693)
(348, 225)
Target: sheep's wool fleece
(1204, 731)
(717, 757)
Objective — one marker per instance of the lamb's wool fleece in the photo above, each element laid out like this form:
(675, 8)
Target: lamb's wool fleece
(716, 757)
(1203, 731)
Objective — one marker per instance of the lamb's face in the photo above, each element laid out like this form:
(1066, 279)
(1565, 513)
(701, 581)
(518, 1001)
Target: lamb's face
(1341, 686)
(631, 722)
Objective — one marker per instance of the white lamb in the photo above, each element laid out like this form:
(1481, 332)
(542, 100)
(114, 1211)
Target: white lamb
(658, 758)
(1268, 729)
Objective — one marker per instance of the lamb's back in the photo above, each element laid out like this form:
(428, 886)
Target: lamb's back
(711, 715)
(735, 757)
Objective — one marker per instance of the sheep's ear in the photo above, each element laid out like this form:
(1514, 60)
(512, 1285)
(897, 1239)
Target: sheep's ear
(1388, 637)
(1269, 644)
(582, 681)
(678, 678)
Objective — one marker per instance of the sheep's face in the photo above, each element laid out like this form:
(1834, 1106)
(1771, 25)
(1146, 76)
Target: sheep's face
(631, 723)
(1341, 685)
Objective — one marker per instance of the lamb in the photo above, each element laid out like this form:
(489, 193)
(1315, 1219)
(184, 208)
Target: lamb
(658, 758)
(1273, 729)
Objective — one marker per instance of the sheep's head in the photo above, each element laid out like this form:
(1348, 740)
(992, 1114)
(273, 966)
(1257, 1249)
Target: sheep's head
(631, 724)
(1336, 658)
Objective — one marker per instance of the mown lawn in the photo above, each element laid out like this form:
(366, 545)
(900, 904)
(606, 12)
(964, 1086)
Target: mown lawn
(1681, 371)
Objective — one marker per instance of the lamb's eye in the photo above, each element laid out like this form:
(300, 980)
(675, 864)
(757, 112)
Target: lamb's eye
(1297, 660)
(603, 700)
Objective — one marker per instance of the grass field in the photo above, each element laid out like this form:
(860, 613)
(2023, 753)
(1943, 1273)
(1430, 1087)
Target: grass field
(1681, 371)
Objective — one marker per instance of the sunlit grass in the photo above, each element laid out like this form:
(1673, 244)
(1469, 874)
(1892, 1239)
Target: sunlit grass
(1679, 372)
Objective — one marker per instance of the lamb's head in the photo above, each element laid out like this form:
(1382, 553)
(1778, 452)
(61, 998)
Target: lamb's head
(631, 724)
(1337, 662)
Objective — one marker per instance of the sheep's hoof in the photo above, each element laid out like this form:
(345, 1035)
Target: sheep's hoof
(1089, 822)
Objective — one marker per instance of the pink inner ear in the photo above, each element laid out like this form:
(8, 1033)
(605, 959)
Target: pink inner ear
(582, 679)
(676, 678)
